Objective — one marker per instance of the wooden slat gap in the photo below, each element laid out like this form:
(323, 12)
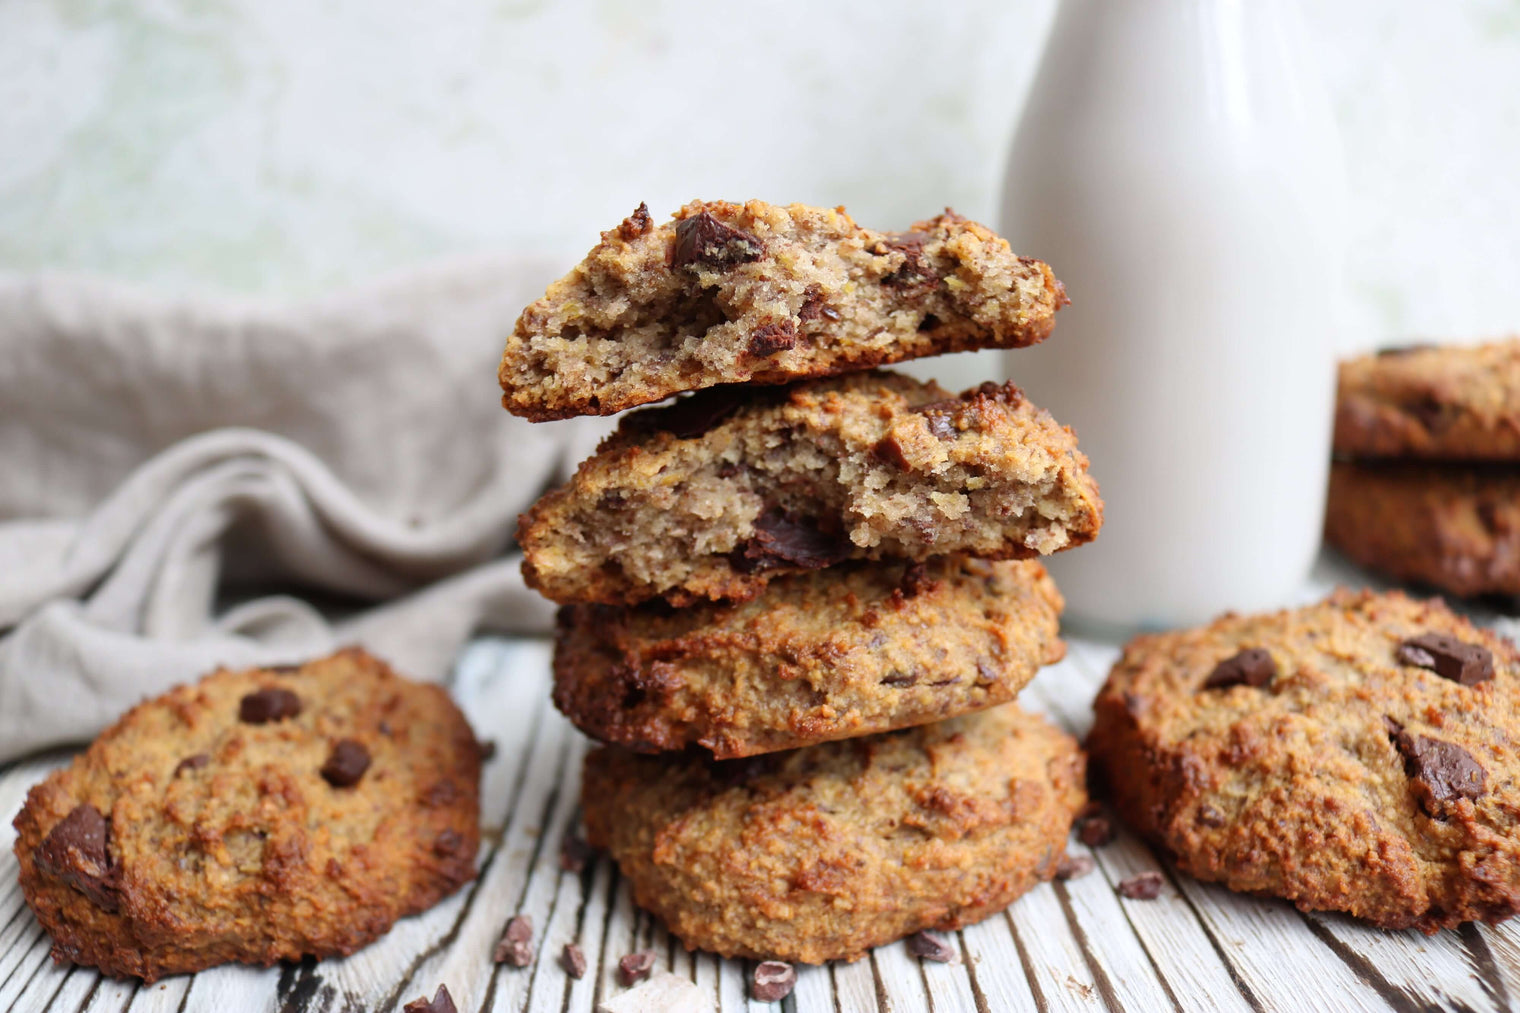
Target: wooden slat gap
(1246, 991)
(1395, 997)
(613, 882)
(1475, 947)
(1100, 976)
(976, 988)
(1042, 1003)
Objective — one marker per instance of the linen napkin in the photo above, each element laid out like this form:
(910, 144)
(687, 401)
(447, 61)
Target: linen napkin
(161, 457)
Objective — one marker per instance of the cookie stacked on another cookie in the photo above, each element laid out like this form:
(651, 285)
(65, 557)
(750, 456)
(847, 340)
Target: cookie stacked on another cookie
(809, 596)
(1426, 482)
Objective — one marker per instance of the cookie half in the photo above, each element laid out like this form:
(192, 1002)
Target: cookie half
(756, 293)
(1452, 526)
(1356, 755)
(254, 816)
(821, 853)
(716, 495)
(846, 651)
(1453, 402)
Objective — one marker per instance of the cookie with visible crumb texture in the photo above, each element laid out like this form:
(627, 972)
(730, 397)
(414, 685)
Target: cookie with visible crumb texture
(851, 650)
(822, 853)
(760, 293)
(717, 494)
(254, 816)
(1454, 527)
(1457, 402)
(1354, 755)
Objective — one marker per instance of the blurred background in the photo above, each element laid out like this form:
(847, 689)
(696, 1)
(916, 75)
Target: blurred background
(284, 147)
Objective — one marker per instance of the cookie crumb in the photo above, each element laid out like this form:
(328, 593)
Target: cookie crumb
(441, 1002)
(773, 981)
(1074, 867)
(634, 967)
(931, 947)
(573, 959)
(516, 947)
(1144, 886)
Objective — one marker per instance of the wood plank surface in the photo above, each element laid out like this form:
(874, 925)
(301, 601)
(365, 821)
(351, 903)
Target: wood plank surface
(1076, 945)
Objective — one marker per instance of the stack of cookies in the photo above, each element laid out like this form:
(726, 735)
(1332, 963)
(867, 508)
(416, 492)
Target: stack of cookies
(1426, 485)
(798, 601)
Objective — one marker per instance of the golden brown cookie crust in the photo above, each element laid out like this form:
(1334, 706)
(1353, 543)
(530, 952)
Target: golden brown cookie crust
(1453, 526)
(761, 293)
(235, 841)
(1346, 778)
(847, 651)
(1454, 402)
(716, 495)
(821, 853)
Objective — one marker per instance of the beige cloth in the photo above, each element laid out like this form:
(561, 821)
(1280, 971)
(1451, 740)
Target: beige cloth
(158, 455)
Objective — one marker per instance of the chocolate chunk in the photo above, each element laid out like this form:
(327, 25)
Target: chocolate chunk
(941, 417)
(1074, 867)
(487, 750)
(1145, 886)
(931, 947)
(916, 580)
(702, 239)
(928, 323)
(694, 415)
(348, 762)
(1440, 772)
(1209, 816)
(1448, 657)
(1252, 667)
(195, 762)
(772, 981)
(636, 224)
(441, 1002)
(268, 704)
(900, 680)
(814, 307)
(916, 271)
(783, 540)
(573, 960)
(76, 852)
(634, 967)
(575, 853)
(1096, 831)
(447, 843)
(516, 945)
(769, 339)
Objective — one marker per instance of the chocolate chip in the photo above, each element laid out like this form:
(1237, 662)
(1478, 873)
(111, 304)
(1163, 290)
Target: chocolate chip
(931, 947)
(986, 673)
(916, 580)
(195, 762)
(1448, 657)
(516, 945)
(441, 1002)
(702, 239)
(1440, 772)
(487, 749)
(916, 271)
(772, 981)
(573, 960)
(769, 339)
(1096, 831)
(447, 843)
(1145, 886)
(691, 416)
(634, 967)
(814, 307)
(76, 852)
(900, 680)
(636, 224)
(1398, 350)
(268, 704)
(347, 763)
(941, 417)
(1252, 667)
(575, 853)
(1209, 816)
(1074, 866)
(783, 540)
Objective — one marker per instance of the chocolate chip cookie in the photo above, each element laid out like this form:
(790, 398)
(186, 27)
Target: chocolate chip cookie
(714, 496)
(854, 649)
(1355, 755)
(756, 293)
(255, 816)
(1449, 403)
(1453, 527)
(821, 853)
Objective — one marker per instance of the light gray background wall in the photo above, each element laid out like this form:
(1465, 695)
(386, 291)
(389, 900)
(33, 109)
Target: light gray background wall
(287, 146)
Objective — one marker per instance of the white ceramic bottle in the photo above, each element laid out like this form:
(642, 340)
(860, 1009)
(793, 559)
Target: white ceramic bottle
(1178, 166)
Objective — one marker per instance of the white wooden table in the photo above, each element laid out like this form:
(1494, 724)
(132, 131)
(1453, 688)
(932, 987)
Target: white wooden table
(1065, 946)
